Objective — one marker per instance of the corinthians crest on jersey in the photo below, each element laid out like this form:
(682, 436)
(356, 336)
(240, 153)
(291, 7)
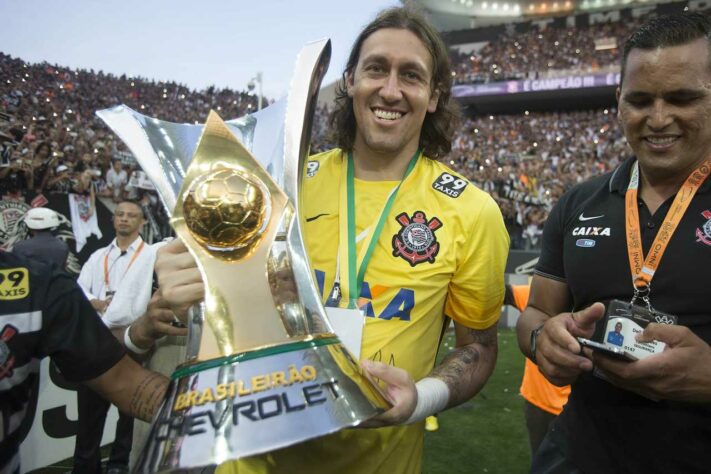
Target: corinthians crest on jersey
(704, 233)
(416, 241)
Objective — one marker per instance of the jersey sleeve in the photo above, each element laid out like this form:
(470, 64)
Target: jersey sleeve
(550, 262)
(476, 291)
(74, 337)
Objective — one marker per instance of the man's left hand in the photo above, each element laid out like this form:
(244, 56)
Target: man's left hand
(681, 372)
(400, 390)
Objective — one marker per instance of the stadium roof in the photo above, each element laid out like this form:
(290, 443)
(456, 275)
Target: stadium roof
(451, 15)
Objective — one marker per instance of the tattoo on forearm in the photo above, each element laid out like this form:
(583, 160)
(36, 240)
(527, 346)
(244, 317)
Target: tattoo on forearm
(460, 369)
(487, 338)
(148, 396)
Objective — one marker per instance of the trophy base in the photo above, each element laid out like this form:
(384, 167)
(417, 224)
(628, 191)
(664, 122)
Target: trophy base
(258, 401)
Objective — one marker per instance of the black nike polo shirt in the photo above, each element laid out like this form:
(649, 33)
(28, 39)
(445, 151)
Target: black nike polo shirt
(605, 428)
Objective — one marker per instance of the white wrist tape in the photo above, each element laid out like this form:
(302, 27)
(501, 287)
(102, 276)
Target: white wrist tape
(130, 345)
(432, 397)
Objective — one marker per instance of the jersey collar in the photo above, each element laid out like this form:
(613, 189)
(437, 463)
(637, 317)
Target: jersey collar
(134, 245)
(620, 178)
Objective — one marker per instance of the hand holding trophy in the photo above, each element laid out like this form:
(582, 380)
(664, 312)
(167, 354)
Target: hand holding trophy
(269, 372)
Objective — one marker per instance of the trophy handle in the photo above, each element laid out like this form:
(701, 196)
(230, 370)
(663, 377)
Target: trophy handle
(311, 66)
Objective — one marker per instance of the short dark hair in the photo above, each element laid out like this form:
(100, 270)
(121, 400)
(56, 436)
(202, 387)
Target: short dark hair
(665, 31)
(135, 203)
(439, 126)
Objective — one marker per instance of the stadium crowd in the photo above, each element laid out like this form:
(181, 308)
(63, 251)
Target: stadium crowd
(526, 162)
(51, 141)
(534, 53)
(542, 52)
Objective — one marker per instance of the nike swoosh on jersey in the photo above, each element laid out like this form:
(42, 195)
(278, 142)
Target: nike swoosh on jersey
(582, 218)
(309, 219)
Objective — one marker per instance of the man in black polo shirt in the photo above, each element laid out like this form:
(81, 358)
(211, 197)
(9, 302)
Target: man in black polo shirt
(653, 415)
(44, 313)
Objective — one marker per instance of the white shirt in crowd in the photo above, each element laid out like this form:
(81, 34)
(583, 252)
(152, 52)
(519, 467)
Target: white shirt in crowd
(115, 181)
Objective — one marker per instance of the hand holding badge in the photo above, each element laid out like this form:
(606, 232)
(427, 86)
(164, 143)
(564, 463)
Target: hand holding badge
(269, 372)
(624, 321)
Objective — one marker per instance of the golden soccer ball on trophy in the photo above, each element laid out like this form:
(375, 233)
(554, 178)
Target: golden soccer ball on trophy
(225, 210)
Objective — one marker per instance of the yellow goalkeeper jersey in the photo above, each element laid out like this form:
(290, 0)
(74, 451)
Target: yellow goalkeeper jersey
(442, 251)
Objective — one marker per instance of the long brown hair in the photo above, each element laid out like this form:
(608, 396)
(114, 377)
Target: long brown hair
(439, 126)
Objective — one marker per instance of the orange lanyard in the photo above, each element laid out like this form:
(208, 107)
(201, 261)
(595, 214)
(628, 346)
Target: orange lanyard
(643, 271)
(133, 259)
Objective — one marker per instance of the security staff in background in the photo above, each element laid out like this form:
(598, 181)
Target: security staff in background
(43, 245)
(652, 245)
(439, 249)
(117, 280)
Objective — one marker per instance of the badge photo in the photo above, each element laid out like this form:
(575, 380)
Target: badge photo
(624, 321)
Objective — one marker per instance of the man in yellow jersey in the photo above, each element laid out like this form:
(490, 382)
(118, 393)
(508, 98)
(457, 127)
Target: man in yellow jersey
(642, 235)
(403, 237)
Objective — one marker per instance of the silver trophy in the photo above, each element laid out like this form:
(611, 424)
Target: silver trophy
(268, 371)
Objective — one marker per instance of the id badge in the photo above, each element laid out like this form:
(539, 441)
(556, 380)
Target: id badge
(348, 325)
(625, 320)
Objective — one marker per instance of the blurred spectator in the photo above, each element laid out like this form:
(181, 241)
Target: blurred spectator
(116, 180)
(42, 160)
(43, 245)
(62, 181)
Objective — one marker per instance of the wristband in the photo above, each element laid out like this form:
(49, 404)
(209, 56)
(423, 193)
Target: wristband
(130, 345)
(432, 397)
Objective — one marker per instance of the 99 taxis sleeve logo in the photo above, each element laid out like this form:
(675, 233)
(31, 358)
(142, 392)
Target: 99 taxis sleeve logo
(14, 284)
(450, 185)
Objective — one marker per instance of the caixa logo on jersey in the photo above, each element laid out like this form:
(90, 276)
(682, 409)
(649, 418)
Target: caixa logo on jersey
(450, 185)
(591, 231)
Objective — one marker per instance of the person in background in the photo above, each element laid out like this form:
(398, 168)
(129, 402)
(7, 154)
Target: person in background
(62, 182)
(43, 312)
(43, 245)
(42, 162)
(543, 401)
(117, 280)
(116, 180)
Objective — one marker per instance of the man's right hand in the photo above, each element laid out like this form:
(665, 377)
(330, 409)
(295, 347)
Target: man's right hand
(179, 278)
(100, 305)
(558, 353)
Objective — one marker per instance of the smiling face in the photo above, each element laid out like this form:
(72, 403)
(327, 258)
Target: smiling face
(664, 107)
(392, 93)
